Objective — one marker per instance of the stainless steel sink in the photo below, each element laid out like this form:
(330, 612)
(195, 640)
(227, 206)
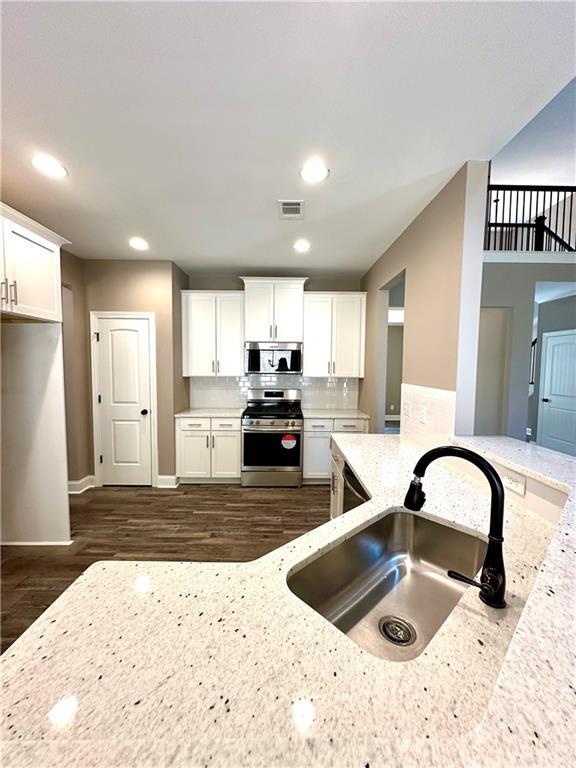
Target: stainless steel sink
(386, 587)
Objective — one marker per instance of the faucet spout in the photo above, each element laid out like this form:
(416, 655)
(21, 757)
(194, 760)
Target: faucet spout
(493, 578)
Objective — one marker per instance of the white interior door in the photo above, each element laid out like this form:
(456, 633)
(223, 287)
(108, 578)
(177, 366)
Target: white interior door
(557, 407)
(230, 334)
(288, 311)
(123, 383)
(317, 334)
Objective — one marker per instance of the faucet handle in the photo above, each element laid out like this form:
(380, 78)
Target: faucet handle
(490, 583)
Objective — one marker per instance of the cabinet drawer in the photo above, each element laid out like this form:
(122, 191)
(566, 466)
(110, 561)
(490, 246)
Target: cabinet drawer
(318, 425)
(349, 425)
(219, 425)
(194, 424)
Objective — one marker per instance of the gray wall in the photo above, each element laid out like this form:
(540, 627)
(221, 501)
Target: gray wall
(559, 315)
(441, 255)
(513, 285)
(394, 369)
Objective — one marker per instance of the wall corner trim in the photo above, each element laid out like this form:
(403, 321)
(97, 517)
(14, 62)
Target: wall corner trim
(79, 486)
(167, 481)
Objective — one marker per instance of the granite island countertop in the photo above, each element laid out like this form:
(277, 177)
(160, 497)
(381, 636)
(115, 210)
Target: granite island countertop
(186, 664)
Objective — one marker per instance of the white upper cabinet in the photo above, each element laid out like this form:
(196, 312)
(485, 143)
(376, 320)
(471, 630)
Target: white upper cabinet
(212, 333)
(317, 334)
(334, 334)
(230, 333)
(288, 311)
(274, 309)
(259, 311)
(198, 334)
(348, 334)
(30, 268)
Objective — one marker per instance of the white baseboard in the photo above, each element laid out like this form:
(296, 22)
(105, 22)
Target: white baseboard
(167, 481)
(79, 486)
(36, 543)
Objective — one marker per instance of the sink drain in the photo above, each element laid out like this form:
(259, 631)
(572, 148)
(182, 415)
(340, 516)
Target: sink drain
(397, 630)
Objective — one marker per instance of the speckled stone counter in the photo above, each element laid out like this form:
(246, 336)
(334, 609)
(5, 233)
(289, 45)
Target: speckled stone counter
(197, 664)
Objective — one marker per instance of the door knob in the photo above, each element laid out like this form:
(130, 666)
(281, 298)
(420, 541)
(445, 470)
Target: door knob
(144, 412)
(546, 400)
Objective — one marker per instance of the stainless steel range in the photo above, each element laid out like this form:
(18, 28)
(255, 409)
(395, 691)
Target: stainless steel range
(272, 426)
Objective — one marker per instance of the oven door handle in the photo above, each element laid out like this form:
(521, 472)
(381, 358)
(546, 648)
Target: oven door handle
(272, 430)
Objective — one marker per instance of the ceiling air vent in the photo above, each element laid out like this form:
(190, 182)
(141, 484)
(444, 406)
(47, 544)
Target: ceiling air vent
(291, 209)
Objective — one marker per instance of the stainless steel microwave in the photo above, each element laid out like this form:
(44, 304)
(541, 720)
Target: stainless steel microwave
(273, 357)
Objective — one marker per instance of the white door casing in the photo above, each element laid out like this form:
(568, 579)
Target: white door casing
(124, 398)
(317, 335)
(557, 406)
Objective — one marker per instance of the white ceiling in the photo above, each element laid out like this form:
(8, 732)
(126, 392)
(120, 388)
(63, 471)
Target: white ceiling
(184, 122)
(550, 291)
(544, 152)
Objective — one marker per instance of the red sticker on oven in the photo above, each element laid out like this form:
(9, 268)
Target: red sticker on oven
(288, 441)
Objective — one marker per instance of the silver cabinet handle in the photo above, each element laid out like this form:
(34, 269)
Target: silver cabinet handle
(270, 331)
(328, 367)
(275, 331)
(4, 290)
(207, 442)
(218, 366)
(212, 441)
(349, 426)
(213, 370)
(317, 426)
(226, 425)
(14, 293)
(194, 425)
(333, 367)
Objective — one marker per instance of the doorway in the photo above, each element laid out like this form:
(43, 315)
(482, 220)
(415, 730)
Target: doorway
(557, 392)
(394, 354)
(123, 354)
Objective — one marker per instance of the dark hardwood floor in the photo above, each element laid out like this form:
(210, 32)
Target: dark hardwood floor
(192, 522)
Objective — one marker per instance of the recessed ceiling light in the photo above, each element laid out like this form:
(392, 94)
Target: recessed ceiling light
(314, 170)
(302, 245)
(49, 166)
(138, 243)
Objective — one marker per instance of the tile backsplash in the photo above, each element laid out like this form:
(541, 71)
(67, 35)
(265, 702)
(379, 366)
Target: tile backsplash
(231, 392)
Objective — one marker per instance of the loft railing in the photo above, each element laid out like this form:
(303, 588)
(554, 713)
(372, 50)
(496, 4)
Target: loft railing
(530, 218)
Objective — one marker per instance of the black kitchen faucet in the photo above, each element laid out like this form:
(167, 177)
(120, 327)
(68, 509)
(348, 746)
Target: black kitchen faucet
(492, 583)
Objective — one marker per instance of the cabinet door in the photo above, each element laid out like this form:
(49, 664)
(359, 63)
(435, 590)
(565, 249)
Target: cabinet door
(336, 492)
(230, 334)
(259, 311)
(226, 454)
(194, 454)
(317, 455)
(198, 334)
(348, 330)
(32, 267)
(288, 311)
(317, 334)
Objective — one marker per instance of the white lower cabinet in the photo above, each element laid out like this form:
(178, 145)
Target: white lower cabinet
(225, 454)
(205, 451)
(317, 434)
(317, 455)
(194, 454)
